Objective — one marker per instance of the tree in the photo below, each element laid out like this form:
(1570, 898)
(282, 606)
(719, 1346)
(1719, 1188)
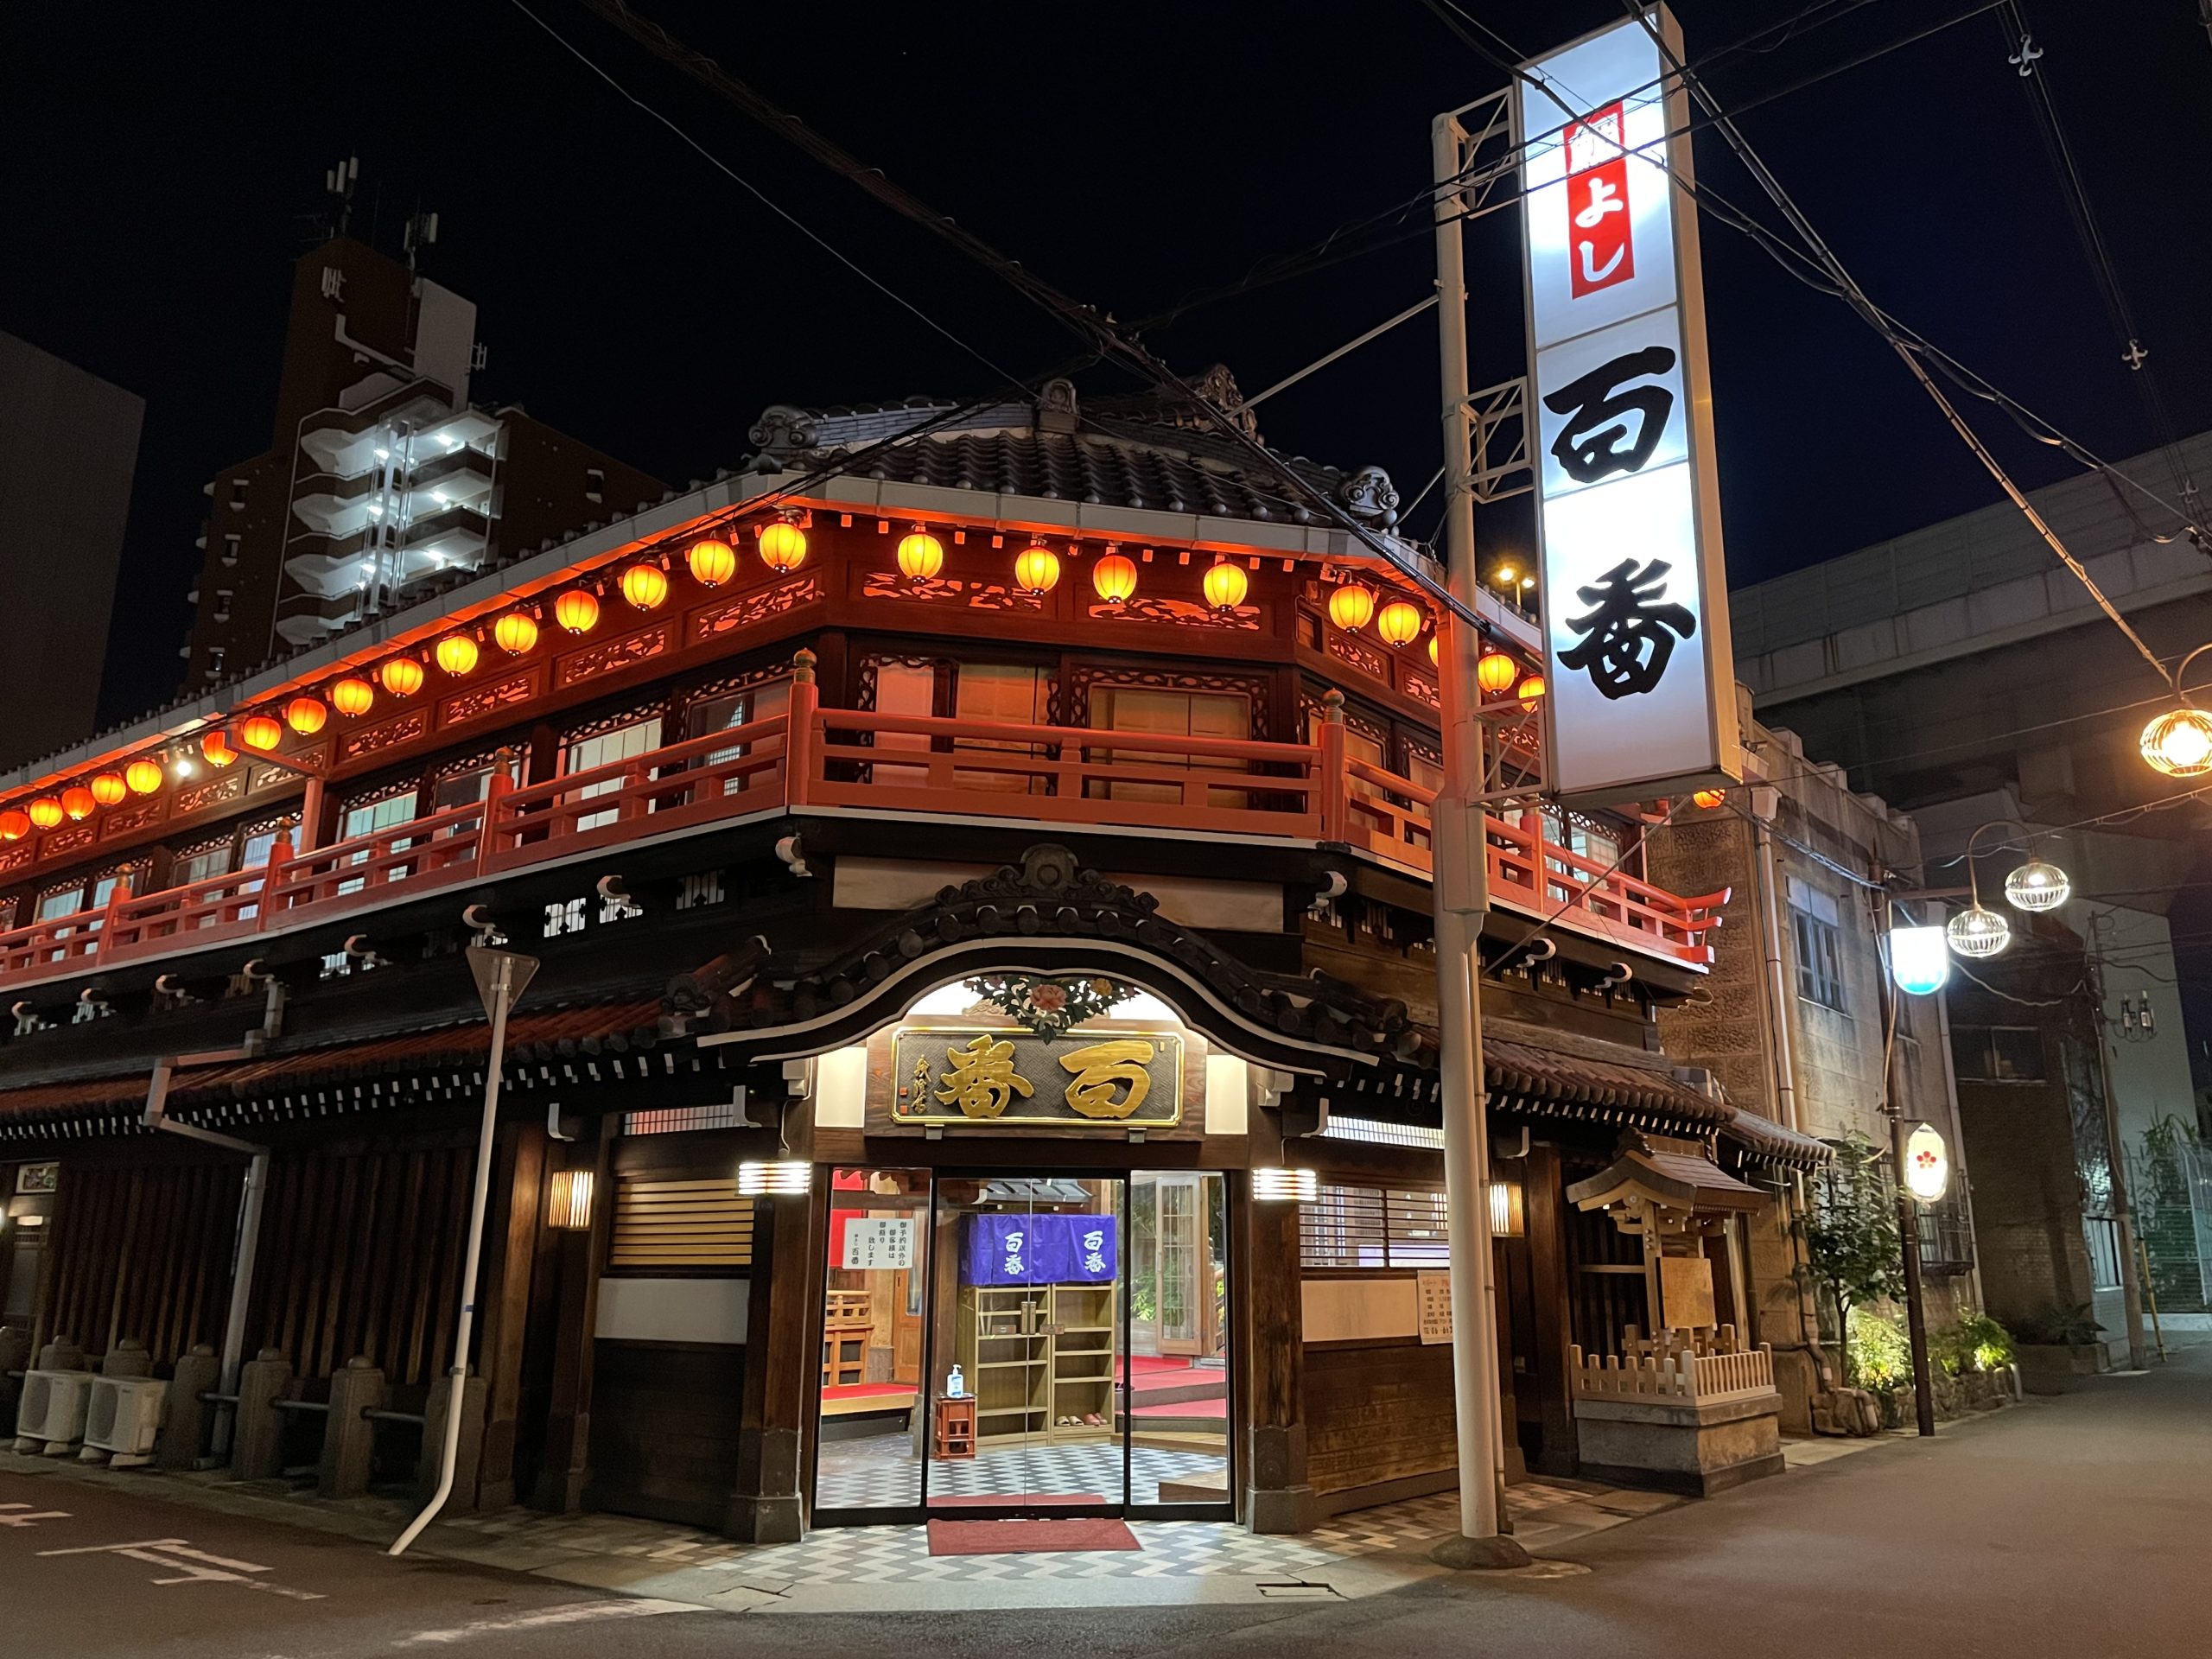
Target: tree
(1851, 1237)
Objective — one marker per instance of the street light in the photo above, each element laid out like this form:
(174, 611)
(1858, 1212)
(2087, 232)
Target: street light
(1927, 1164)
(1920, 960)
(2180, 741)
(2037, 886)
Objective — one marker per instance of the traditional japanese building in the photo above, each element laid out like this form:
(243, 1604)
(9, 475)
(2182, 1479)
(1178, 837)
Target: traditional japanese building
(978, 861)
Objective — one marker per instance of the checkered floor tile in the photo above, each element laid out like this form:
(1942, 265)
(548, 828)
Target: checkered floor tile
(881, 1471)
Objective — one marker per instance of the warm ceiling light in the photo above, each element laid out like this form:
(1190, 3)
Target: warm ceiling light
(1400, 622)
(306, 716)
(712, 562)
(783, 547)
(2037, 886)
(515, 633)
(353, 697)
(15, 824)
(1709, 799)
(46, 812)
(108, 788)
(1976, 932)
(216, 745)
(1531, 692)
(577, 610)
(78, 801)
(1495, 672)
(2179, 744)
(1351, 605)
(645, 586)
(921, 556)
(1036, 569)
(260, 732)
(1114, 578)
(1225, 585)
(402, 676)
(143, 777)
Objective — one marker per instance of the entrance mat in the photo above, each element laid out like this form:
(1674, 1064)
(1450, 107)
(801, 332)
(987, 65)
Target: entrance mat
(1029, 1537)
(1021, 1500)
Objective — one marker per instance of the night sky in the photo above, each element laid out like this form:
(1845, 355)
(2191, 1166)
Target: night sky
(164, 167)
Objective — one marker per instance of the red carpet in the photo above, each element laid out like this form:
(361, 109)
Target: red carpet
(1028, 1537)
(857, 1390)
(1217, 1407)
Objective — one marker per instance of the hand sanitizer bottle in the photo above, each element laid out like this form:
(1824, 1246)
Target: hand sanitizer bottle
(956, 1387)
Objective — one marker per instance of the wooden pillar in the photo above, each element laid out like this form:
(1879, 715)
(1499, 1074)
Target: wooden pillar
(517, 1175)
(1546, 1213)
(566, 1474)
(783, 1363)
(1278, 1497)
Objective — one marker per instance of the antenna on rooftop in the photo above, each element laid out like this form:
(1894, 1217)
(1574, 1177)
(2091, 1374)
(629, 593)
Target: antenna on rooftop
(338, 181)
(421, 232)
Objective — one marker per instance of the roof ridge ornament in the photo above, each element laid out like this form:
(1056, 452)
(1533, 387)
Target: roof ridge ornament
(1055, 406)
(1370, 497)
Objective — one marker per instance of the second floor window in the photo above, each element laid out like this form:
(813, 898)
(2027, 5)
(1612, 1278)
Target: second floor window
(1816, 929)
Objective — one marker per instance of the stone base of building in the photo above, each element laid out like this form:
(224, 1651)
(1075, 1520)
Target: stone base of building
(1679, 1445)
(2049, 1368)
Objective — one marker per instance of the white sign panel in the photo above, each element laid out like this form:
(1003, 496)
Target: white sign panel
(878, 1241)
(1642, 682)
(1435, 1290)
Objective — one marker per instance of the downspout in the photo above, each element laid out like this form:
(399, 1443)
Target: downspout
(1766, 803)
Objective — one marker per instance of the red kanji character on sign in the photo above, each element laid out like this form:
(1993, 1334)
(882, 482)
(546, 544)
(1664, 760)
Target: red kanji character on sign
(1600, 250)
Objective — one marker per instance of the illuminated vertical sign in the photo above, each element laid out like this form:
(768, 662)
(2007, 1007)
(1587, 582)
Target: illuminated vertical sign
(1641, 676)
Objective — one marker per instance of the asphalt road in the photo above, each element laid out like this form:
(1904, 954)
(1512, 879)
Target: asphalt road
(2078, 1526)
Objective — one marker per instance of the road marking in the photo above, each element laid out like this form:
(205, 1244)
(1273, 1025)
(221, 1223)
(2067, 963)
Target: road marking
(575, 1612)
(191, 1565)
(22, 1515)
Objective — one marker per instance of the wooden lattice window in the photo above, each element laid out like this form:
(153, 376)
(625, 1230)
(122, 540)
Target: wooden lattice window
(677, 1226)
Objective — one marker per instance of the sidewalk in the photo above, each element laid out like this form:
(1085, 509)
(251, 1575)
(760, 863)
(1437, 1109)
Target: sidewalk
(885, 1569)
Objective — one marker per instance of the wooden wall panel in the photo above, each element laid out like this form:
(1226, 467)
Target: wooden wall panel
(1377, 1413)
(360, 1254)
(665, 1430)
(142, 1253)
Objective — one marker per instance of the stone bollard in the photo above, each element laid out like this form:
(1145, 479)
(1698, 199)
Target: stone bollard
(470, 1456)
(15, 1355)
(185, 1415)
(128, 1357)
(349, 1440)
(258, 1438)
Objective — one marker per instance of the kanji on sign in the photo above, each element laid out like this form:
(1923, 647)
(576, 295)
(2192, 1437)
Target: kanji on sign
(980, 1078)
(1630, 632)
(1099, 1067)
(1596, 439)
(1603, 248)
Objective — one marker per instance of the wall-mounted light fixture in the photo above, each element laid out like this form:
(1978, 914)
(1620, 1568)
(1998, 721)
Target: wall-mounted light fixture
(774, 1177)
(1508, 1217)
(568, 1200)
(1285, 1185)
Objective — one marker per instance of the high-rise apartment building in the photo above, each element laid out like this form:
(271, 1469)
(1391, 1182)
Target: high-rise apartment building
(380, 474)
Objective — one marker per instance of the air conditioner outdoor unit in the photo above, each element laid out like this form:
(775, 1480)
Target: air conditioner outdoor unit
(52, 1416)
(122, 1420)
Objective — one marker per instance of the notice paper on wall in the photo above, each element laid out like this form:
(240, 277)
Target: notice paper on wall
(878, 1241)
(1433, 1287)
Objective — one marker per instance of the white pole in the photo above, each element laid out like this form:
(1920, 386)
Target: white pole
(456, 1400)
(1462, 894)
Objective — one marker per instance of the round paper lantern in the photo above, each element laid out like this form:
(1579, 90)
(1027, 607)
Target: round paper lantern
(353, 697)
(46, 812)
(2180, 744)
(1225, 585)
(1435, 656)
(306, 716)
(144, 777)
(109, 788)
(645, 586)
(216, 745)
(712, 562)
(577, 610)
(260, 732)
(2037, 886)
(1531, 691)
(456, 654)
(1709, 799)
(1036, 569)
(1114, 578)
(515, 633)
(77, 801)
(921, 556)
(783, 547)
(15, 824)
(1400, 622)
(1976, 933)
(1495, 672)
(1351, 605)
(402, 676)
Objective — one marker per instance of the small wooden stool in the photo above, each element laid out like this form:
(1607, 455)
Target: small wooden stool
(954, 1421)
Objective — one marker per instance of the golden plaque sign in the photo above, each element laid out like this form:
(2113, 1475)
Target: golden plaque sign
(1010, 1075)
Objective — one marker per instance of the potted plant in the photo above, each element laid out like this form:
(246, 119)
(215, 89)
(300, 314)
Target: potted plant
(2059, 1341)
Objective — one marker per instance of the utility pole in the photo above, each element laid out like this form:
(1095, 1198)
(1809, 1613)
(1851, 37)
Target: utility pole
(1462, 895)
(2132, 1278)
(1916, 1312)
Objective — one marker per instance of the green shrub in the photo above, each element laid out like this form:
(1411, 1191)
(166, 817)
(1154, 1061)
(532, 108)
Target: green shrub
(2055, 1325)
(1974, 1343)
(1878, 1355)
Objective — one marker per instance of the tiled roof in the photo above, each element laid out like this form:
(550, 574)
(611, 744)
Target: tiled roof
(1538, 1075)
(1758, 1141)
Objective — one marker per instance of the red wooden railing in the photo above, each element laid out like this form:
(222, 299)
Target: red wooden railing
(809, 759)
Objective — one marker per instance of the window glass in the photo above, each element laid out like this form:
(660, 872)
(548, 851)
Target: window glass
(461, 789)
(1999, 1053)
(1180, 714)
(1011, 694)
(68, 902)
(904, 688)
(623, 743)
(202, 865)
(360, 821)
(1814, 917)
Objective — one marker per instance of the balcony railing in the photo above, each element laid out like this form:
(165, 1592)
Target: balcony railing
(809, 759)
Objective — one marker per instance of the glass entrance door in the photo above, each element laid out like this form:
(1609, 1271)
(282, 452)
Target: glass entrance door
(1176, 1397)
(1028, 1345)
